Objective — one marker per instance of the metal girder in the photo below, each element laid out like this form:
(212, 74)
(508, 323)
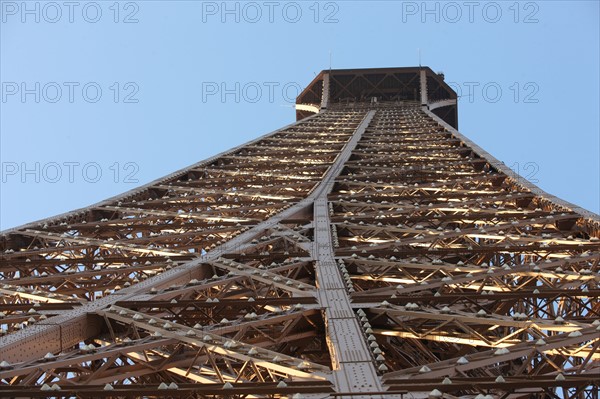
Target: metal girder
(219, 344)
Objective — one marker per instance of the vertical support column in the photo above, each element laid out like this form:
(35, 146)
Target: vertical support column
(325, 95)
(423, 79)
(353, 367)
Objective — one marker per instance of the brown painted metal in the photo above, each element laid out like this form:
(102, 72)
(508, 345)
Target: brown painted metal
(367, 251)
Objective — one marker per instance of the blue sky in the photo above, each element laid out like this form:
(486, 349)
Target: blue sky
(100, 97)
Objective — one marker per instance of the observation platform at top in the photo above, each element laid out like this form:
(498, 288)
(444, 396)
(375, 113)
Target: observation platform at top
(361, 87)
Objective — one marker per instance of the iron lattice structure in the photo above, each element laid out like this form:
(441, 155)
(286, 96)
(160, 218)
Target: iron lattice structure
(368, 250)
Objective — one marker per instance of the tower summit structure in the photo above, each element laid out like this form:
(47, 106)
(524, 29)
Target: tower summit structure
(368, 250)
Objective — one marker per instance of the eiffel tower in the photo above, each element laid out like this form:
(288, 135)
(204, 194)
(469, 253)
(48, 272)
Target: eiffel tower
(368, 250)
